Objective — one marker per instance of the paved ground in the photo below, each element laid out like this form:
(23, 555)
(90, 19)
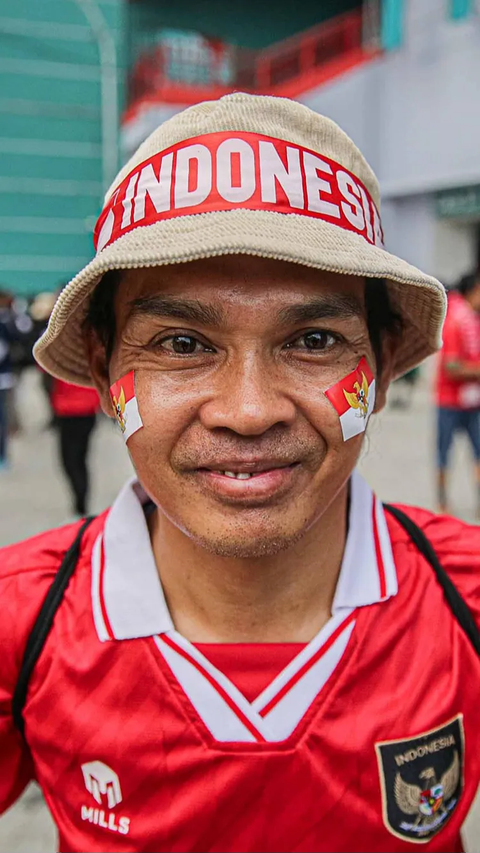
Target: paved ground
(397, 463)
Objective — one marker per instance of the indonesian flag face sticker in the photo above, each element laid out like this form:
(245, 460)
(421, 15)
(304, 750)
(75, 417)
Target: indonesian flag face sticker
(125, 405)
(353, 398)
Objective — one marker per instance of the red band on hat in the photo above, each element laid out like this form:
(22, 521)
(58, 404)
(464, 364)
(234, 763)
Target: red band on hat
(237, 170)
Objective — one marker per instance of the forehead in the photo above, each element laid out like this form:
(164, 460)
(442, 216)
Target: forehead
(236, 280)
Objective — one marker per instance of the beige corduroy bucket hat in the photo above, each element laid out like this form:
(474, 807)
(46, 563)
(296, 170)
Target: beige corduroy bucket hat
(245, 175)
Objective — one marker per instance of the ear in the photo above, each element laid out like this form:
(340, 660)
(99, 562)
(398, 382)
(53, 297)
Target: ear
(382, 382)
(97, 360)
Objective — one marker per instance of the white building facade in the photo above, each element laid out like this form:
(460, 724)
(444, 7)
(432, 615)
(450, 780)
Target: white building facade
(415, 113)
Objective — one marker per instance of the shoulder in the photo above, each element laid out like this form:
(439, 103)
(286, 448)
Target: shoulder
(449, 536)
(27, 570)
(456, 544)
(40, 555)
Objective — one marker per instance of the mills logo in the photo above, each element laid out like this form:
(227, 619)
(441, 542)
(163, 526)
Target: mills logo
(103, 784)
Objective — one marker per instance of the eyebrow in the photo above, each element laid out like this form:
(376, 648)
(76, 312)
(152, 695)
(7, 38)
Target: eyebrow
(331, 306)
(190, 310)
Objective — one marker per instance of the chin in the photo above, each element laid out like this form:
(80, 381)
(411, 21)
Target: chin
(245, 544)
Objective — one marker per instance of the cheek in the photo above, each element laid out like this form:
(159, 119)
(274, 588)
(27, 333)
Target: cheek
(170, 406)
(340, 455)
(166, 409)
(321, 417)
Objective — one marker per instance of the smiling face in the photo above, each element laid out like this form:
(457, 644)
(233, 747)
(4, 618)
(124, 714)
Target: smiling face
(240, 448)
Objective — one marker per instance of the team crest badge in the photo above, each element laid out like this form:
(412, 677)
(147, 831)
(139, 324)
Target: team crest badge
(421, 780)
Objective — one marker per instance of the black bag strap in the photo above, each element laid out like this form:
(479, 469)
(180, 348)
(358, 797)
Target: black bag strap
(457, 604)
(43, 624)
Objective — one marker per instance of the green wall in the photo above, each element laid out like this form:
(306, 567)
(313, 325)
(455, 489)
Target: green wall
(393, 13)
(247, 22)
(51, 183)
(460, 9)
(50, 138)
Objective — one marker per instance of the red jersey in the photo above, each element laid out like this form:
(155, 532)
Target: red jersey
(251, 667)
(73, 400)
(368, 740)
(461, 344)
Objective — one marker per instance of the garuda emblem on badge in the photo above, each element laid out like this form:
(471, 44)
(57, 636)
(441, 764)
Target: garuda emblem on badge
(422, 779)
(119, 409)
(358, 398)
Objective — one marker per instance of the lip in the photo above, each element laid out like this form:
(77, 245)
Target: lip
(266, 484)
(246, 466)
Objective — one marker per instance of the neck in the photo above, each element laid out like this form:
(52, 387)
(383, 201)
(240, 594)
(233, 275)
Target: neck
(284, 598)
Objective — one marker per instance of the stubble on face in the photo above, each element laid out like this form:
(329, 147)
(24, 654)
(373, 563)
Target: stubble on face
(193, 416)
(272, 530)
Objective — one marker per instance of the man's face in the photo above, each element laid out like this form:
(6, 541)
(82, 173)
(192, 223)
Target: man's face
(232, 357)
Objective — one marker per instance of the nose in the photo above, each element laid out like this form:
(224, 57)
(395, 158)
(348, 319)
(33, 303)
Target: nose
(248, 399)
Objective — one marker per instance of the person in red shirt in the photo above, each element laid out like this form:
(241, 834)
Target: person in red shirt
(458, 379)
(75, 409)
(247, 651)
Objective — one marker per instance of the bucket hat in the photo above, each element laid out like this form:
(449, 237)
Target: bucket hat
(252, 175)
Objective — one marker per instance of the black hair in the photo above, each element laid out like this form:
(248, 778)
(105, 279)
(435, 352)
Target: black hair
(100, 317)
(467, 283)
(382, 319)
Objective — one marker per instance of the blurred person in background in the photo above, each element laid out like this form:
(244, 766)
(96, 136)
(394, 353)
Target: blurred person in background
(21, 358)
(7, 337)
(75, 410)
(40, 311)
(458, 380)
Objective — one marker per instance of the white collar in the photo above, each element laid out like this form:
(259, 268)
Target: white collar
(127, 595)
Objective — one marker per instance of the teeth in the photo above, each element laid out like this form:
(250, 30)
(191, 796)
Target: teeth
(239, 476)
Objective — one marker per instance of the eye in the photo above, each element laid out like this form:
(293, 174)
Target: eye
(315, 340)
(183, 345)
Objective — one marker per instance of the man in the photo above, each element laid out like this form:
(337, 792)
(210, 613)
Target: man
(458, 380)
(7, 381)
(251, 654)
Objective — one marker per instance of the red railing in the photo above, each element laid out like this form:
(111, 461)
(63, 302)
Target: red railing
(218, 68)
(302, 53)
